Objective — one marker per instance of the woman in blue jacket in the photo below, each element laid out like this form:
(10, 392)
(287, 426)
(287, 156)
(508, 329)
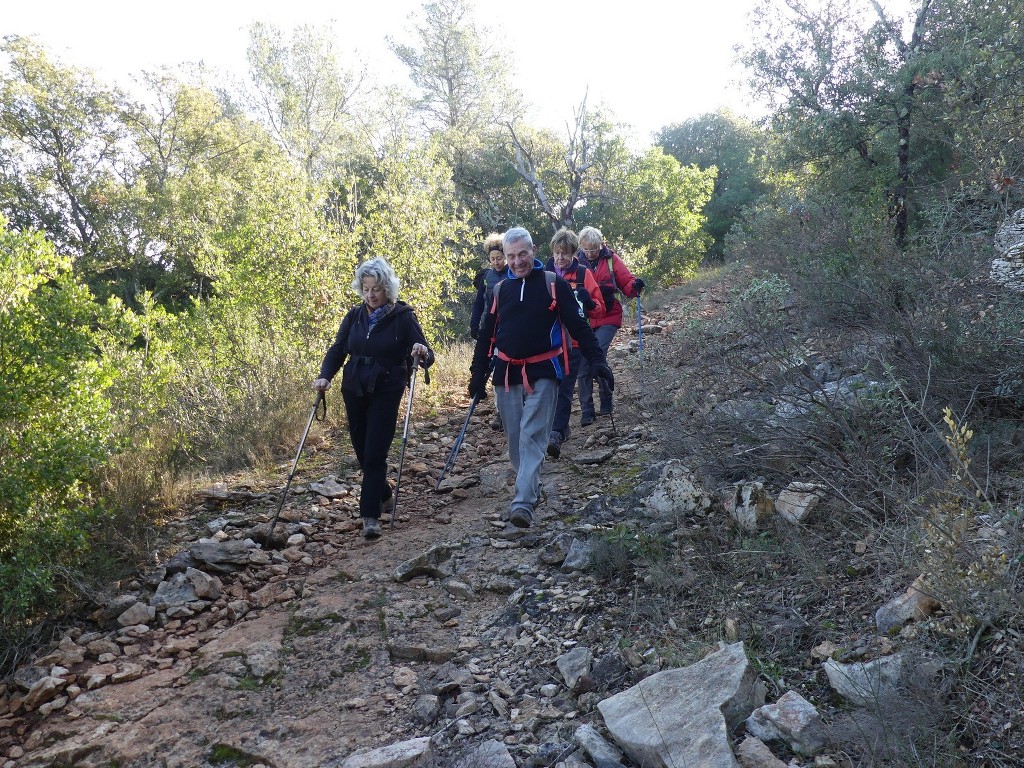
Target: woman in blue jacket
(378, 342)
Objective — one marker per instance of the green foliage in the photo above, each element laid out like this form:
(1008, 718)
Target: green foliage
(659, 222)
(460, 75)
(413, 219)
(55, 425)
(736, 148)
(306, 100)
(60, 146)
(225, 754)
(968, 575)
(765, 300)
(871, 103)
(632, 545)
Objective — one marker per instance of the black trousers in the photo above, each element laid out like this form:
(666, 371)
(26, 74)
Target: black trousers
(372, 421)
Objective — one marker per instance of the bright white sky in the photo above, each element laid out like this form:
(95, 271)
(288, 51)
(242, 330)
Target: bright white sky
(650, 62)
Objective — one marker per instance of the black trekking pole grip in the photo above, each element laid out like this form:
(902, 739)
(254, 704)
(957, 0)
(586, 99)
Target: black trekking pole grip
(319, 412)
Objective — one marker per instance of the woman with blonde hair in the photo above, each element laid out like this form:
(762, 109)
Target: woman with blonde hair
(613, 277)
(378, 342)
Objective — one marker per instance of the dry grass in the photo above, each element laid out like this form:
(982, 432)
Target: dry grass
(835, 366)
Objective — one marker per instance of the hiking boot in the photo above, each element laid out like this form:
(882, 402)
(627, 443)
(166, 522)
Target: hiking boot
(521, 517)
(495, 422)
(387, 507)
(555, 445)
(586, 419)
(371, 528)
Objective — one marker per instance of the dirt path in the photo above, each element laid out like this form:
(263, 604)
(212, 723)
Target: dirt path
(322, 650)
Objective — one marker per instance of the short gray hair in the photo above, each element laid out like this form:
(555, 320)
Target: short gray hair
(591, 235)
(515, 235)
(379, 269)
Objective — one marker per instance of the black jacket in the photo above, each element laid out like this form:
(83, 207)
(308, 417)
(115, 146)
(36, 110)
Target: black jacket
(377, 360)
(527, 325)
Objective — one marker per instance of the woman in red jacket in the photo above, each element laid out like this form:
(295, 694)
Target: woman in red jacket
(565, 264)
(613, 277)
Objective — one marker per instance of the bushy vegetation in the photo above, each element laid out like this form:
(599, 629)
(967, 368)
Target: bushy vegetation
(172, 269)
(174, 266)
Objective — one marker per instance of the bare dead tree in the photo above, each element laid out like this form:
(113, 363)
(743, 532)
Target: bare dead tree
(578, 160)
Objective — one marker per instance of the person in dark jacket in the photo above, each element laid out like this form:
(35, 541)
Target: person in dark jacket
(588, 295)
(377, 344)
(613, 277)
(485, 281)
(532, 312)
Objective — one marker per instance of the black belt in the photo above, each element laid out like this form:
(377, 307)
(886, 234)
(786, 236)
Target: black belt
(382, 361)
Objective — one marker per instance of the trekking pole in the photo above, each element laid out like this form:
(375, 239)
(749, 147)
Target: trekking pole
(640, 342)
(639, 332)
(320, 404)
(449, 465)
(405, 436)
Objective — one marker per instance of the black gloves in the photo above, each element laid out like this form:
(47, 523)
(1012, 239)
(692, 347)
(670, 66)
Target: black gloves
(474, 332)
(608, 294)
(478, 384)
(585, 299)
(638, 285)
(604, 373)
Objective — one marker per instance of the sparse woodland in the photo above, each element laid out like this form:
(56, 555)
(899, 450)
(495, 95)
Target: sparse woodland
(174, 262)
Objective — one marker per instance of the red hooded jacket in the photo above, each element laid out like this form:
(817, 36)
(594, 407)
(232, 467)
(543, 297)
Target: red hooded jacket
(613, 276)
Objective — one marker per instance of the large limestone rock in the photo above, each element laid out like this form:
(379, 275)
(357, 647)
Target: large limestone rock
(594, 744)
(405, 754)
(1008, 265)
(915, 603)
(186, 587)
(492, 754)
(754, 753)
(222, 556)
(434, 563)
(792, 719)
(747, 504)
(678, 491)
(866, 684)
(796, 502)
(684, 716)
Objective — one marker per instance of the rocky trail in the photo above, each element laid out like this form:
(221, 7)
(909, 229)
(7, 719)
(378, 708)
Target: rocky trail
(448, 627)
(626, 628)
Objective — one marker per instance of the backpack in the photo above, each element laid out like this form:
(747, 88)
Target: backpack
(608, 291)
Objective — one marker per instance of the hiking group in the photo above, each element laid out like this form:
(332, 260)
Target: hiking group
(539, 331)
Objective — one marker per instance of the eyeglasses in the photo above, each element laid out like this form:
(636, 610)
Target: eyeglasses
(591, 251)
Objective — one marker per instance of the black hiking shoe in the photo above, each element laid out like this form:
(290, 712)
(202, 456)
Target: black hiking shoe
(555, 445)
(371, 528)
(521, 517)
(586, 419)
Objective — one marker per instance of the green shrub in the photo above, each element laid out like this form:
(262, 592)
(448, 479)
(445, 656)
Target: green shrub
(56, 429)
